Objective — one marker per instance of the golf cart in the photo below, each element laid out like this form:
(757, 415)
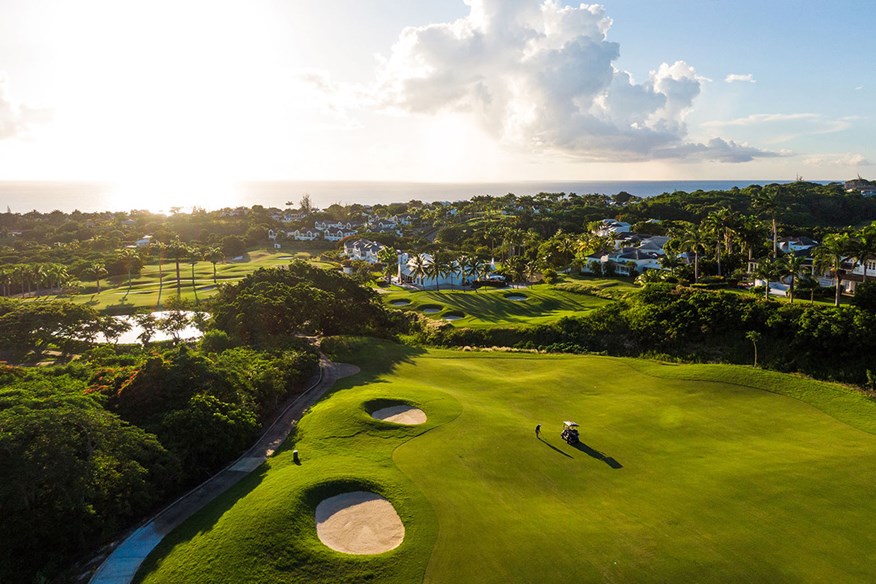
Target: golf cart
(570, 433)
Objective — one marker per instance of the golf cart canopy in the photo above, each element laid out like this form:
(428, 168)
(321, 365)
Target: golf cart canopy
(570, 424)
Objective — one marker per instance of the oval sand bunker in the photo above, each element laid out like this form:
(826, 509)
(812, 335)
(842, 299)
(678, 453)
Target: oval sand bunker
(407, 415)
(360, 523)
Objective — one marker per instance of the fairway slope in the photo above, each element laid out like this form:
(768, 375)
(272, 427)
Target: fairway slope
(687, 474)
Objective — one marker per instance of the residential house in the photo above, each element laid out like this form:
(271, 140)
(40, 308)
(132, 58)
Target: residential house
(613, 227)
(144, 241)
(362, 249)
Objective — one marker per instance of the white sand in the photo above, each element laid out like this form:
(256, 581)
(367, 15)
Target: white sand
(359, 523)
(407, 415)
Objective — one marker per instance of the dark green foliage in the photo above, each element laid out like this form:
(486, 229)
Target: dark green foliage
(269, 306)
(73, 473)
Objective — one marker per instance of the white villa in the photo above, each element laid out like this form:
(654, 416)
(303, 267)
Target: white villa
(362, 249)
(613, 227)
(405, 273)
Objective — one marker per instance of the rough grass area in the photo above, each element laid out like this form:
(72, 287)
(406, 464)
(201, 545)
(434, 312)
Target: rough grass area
(491, 307)
(687, 473)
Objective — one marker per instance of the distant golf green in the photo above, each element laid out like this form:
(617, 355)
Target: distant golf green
(510, 307)
(687, 474)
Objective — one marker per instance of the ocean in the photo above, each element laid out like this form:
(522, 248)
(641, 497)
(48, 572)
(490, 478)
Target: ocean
(22, 197)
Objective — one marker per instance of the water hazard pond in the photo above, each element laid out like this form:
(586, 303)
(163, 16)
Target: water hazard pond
(131, 336)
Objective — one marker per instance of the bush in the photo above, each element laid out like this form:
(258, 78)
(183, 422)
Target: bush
(216, 341)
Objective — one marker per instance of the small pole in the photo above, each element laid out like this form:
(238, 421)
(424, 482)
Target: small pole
(295, 458)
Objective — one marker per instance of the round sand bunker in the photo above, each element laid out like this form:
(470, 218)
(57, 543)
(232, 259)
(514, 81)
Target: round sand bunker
(407, 415)
(360, 523)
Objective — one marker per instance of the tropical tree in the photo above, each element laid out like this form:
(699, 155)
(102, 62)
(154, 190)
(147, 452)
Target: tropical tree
(388, 256)
(792, 266)
(177, 250)
(719, 224)
(754, 337)
(768, 201)
(806, 284)
(129, 258)
(862, 246)
(434, 270)
(195, 255)
(693, 240)
(830, 254)
(767, 270)
(96, 271)
(214, 255)
(418, 264)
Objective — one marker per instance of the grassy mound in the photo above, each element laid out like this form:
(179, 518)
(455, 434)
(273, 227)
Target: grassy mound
(685, 473)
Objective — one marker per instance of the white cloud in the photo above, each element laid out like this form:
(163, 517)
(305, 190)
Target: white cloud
(542, 75)
(842, 160)
(787, 127)
(740, 78)
(16, 118)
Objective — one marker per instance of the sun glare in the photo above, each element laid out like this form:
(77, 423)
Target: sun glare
(171, 194)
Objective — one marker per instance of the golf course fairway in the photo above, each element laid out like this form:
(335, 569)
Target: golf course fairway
(688, 473)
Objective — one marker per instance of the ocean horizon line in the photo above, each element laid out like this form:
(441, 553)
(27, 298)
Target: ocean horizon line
(96, 196)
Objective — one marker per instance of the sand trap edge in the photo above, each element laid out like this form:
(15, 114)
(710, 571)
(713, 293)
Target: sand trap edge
(359, 523)
(401, 414)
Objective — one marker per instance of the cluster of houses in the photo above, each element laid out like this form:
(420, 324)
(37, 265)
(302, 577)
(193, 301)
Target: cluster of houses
(338, 230)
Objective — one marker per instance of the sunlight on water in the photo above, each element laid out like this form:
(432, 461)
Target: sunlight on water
(172, 195)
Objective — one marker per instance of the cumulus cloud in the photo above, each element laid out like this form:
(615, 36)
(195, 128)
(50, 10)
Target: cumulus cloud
(542, 74)
(740, 78)
(16, 118)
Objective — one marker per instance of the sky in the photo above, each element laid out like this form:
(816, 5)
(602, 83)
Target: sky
(147, 93)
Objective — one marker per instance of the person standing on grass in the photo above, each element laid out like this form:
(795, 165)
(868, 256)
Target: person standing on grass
(537, 430)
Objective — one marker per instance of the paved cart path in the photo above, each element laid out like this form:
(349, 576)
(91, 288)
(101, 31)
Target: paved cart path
(122, 564)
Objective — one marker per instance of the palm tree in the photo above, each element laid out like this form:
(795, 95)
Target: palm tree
(768, 200)
(463, 263)
(434, 270)
(389, 258)
(6, 275)
(693, 240)
(718, 225)
(793, 264)
(478, 268)
(128, 256)
(830, 255)
(38, 273)
(195, 255)
(177, 251)
(862, 246)
(767, 269)
(808, 284)
(97, 270)
(750, 232)
(215, 255)
(754, 337)
(418, 267)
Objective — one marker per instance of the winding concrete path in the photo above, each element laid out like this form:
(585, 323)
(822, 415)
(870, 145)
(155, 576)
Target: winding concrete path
(122, 564)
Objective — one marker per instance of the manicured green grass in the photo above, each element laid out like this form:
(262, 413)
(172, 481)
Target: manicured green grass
(688, 474)
(149, 290)
(492, 307)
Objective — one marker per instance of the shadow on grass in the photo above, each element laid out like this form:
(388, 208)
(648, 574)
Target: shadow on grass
(554, 448)
(202, 521)
(593, 453)
(374, 356)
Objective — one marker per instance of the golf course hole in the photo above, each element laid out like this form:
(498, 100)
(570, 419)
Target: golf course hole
(516, 297)
(360, 523)
(400, 302)
(431, 309)
(398, 413)
(454, 316)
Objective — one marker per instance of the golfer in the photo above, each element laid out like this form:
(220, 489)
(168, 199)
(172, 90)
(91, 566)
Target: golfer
(537, 430)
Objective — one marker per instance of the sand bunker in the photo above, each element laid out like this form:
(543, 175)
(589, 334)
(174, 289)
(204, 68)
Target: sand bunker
(516, 297)
(359, 523)
(400, 302)
(454, 317)
(402, 414)
(431, 310)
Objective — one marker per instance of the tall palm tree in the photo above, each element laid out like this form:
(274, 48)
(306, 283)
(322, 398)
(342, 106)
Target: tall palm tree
(718, 224)
(830, 255)
(195, 254)
(38, 276)
(6, 277)
(434, 270)
(418, 264)
(96, 271)
(807, 284)
(792, 266)
(215, 255)
(177, 250)
(478, 268)
(750, 233)
(128, 256)
(768, 200)
(693, 240)
(767, 269)
(862, 247)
